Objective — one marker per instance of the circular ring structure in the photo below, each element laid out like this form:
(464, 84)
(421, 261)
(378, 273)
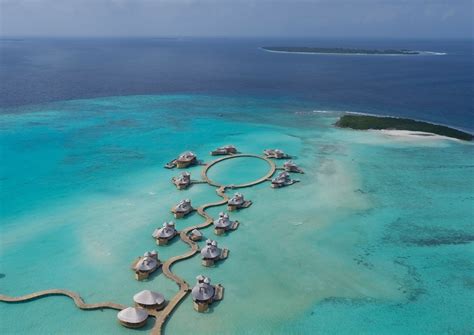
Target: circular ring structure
(258, 181)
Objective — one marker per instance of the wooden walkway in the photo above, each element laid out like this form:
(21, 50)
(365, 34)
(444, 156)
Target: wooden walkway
(74, 296)
(184, 288)
(253, 183)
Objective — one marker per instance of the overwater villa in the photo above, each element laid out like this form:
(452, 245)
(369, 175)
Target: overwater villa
(283, 179)
(211, 253)
(223, 224)
(184, 160)
(132, 317)
(149, 299)
(225, 150)
(238, 202)
(195, 235)
(275, 153)
(182, 209)
(146, 265)
(205, 294)
(182, 181)
(290, 166)
(164, 234)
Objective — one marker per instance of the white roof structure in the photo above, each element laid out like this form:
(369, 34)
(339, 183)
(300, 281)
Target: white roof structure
(237, 199)
(223, 221)
(183, 206)
(187, 156)
(149, 298)
(168, 230)
(210, 251)
(184, 177)
(132, 315)
(281, 178)
(146, 264)
(203, 291)
(196, 232)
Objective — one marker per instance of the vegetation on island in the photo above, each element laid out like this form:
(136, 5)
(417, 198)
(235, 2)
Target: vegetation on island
(365, 122)
(343, 51)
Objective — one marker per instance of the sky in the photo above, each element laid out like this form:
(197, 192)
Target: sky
(235, 18)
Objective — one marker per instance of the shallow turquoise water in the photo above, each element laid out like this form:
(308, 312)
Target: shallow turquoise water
(376, 238)
(238, 171)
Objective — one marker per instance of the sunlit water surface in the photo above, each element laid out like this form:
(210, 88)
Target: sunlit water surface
(376, 238)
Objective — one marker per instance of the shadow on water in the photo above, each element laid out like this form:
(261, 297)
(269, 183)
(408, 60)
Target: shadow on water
(154, 274)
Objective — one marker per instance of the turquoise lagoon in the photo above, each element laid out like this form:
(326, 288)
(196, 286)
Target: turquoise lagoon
(375, 239)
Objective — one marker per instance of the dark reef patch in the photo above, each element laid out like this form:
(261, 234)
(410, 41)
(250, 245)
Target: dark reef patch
(348, 301)
(407, 233)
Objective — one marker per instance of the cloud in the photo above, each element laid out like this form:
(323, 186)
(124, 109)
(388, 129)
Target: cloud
(394, 18)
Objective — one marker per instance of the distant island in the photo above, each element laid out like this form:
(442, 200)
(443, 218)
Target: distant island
(365, 122)
(342, 51)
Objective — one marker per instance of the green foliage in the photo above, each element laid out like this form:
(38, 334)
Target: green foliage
(343, 50)
(364, 122)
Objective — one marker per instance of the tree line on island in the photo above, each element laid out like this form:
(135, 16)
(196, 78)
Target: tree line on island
(342, 51)
(365, 122)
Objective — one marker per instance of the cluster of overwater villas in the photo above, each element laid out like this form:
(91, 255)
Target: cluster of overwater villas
(148, 302)
(282, 179)
(203, 293)
(189, 158)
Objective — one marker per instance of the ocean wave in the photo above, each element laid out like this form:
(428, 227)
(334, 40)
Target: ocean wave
(434, 53)
(317, 111)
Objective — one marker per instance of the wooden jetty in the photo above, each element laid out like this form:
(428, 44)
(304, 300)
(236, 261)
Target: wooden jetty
(73, 295)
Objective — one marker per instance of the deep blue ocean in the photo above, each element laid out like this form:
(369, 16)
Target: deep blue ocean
(432, 88)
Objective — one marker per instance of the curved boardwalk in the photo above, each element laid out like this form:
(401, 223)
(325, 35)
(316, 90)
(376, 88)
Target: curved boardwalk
(183, 285)
(184, 288)
(74, 296)
(258, 181)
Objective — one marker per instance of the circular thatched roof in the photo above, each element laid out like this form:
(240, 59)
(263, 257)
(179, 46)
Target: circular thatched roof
(147, 297)
(132, 315)
(210, 251)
